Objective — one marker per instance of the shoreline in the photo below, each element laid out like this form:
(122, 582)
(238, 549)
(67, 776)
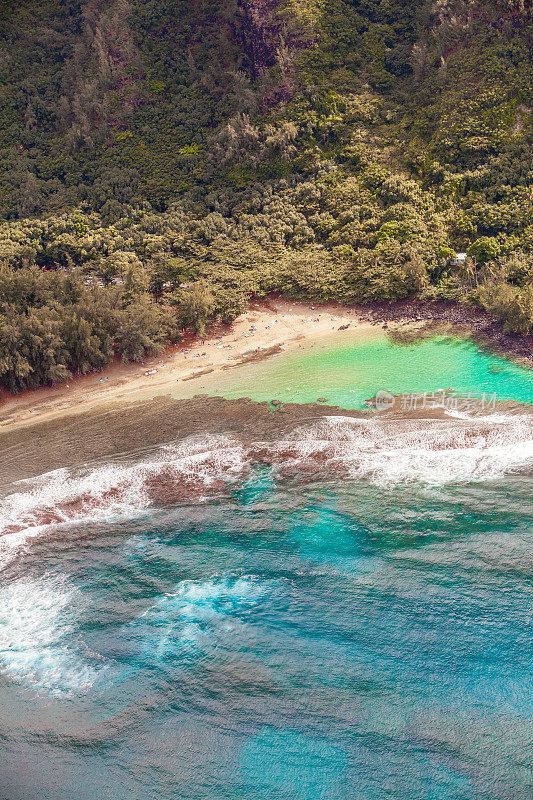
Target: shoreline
(484, 329)
(267, 329)
(264, 331)
(88, 438)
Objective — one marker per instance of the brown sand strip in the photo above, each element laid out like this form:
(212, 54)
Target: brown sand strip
(256, 355)
(198, 374)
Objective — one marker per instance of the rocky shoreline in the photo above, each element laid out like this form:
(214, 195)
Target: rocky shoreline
(484, 328)
(80, 438)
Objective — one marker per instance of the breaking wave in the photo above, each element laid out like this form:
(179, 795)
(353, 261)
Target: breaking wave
(193, 614)
(37, 619)
(177, 473)
(40, 645)
(398, 451)
(386, 452)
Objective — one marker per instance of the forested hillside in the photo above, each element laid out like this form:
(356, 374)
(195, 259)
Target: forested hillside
(163, 160)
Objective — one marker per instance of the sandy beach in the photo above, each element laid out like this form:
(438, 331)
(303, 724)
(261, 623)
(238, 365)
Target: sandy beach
(201, 386)
(206, 365)
(265, 330)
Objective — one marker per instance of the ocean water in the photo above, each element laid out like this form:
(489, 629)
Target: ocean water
(348, 368)
(344, 612)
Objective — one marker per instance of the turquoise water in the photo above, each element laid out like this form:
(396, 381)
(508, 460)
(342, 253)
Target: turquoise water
(348, 373)
(320, 643)
(344, 612)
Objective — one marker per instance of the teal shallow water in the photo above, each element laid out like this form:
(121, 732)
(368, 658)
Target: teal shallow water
(348, 373)
(312, 644)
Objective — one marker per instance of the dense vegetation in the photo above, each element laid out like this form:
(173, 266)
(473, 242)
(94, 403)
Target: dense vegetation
(161, 161)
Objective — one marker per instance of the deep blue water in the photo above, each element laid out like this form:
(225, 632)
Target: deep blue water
(351, 637)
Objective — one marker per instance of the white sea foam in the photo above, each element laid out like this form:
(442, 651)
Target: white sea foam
(430, 452)
(37, 617)
(114, 490)
(193, 614)
(387, 452)
(40, 646)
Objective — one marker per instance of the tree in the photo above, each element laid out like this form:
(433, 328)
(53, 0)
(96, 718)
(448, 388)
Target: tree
(484, 249)
(195, 304)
